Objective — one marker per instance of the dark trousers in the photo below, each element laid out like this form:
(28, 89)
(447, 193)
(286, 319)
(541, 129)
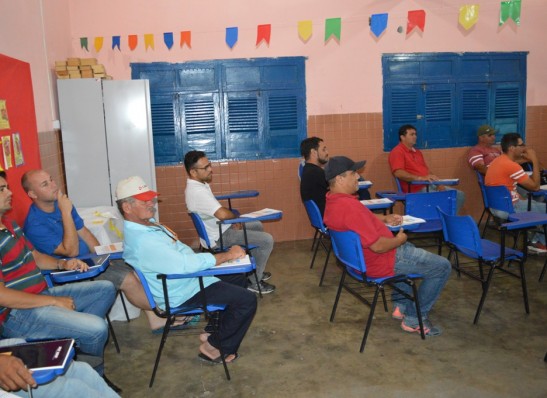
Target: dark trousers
(235, 319)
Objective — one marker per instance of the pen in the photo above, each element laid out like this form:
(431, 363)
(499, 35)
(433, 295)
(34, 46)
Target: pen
(29, 388)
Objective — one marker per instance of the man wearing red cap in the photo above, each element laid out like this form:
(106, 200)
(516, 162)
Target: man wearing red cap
(55, 228)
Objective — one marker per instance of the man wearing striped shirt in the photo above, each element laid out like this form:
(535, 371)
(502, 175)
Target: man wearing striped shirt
(482, 154)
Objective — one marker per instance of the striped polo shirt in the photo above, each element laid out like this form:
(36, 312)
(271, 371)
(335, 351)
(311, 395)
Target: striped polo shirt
(18, 270)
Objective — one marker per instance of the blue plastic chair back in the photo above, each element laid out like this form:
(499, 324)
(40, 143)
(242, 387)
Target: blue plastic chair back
(347, 248)
(200, 228)
(146, 288)
(315, 216)
(399, 187)
(424, 204)
(480, 179)
(462, 232)
(499, 198)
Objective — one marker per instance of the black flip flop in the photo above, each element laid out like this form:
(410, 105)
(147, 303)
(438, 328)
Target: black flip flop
(216, 361)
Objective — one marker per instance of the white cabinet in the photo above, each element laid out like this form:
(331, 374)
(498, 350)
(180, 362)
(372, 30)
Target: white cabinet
(107, 136)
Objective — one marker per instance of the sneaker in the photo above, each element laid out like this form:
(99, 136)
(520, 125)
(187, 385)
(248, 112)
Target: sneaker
(265, 288)
(397, 313)
(266, 276)
(537, 247)
(429, 329)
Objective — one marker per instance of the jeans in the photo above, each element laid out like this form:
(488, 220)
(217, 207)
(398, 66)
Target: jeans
(255, 236)
(86, 324)
(235, 319)
(435, 271)
(460, 195)
(520, 207)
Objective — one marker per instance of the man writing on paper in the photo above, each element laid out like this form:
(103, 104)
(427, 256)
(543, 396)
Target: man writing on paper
(200, 200)
(385, 254)
(54, 227)
(154, 249)
(31, 310)
(408, 164)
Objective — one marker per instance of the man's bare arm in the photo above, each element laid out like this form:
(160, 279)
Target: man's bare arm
(384, 244)
(69, 245)
(89, 239)
(224, 214)
(11, 298)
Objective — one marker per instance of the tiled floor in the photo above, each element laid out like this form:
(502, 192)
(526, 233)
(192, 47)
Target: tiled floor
(292, 350)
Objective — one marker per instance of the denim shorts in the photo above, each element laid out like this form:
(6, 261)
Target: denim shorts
(115, 273)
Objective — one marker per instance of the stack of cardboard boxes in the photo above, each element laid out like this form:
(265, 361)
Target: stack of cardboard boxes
(80, 68)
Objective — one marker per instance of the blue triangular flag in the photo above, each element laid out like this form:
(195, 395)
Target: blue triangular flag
(378, 23)
(168, 39)
(231, 36)
(116, 42)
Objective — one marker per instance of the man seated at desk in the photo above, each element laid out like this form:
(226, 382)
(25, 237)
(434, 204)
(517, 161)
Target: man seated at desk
(506, 170)
(385, 254)
(31, 310)
(154, 249)
(200, 200)
(482, 154)
(54, 227)
(407, 164)
(313, 185)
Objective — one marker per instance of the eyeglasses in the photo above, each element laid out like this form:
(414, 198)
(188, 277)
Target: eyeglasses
(208, 166)
(523, 144)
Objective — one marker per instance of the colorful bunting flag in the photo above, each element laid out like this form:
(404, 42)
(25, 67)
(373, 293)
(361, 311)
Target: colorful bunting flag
(132, 41)
(378, 24)
(186, 38)
(469, 15)
(510, 9)
(148, 41)
(168, 39)
(116, 42)
(98, 44)
(304, 30)
(263, 33)
(83, 43)
(231, 36)
(416, 18)
(333, 27)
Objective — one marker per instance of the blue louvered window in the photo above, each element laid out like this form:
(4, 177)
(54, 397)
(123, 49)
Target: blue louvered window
(230, 109)
(448, 95)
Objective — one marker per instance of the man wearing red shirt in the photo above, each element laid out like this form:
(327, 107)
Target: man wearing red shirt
(385, 254)
(407, 164)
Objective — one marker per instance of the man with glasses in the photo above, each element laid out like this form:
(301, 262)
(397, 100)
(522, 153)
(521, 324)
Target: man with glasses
(55, 228)
(482, 154)
(200, 200)
(506, 170)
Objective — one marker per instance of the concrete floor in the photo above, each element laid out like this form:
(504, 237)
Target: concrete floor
(292, 350)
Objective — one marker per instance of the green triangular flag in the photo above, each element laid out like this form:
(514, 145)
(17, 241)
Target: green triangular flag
(83, 43)
(510, 9)
(333, 26)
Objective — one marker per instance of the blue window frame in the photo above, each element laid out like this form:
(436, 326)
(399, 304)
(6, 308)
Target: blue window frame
(448, 95)
(230, 109)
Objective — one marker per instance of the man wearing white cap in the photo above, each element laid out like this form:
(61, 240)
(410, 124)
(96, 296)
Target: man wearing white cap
(154, 249)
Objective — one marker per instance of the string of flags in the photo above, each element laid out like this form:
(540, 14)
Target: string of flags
(468, 17)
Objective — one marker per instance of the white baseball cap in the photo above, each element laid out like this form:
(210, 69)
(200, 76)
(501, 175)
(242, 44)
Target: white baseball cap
(134, 187)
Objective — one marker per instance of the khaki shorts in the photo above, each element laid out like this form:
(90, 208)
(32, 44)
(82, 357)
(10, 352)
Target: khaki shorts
(115, 273)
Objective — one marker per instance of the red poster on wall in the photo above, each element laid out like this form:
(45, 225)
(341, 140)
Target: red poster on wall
(18, 131)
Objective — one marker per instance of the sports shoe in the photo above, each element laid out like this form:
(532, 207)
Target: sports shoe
(537, 247)
(266, 276)
(397, 313)
(265, 288)
(429, 329)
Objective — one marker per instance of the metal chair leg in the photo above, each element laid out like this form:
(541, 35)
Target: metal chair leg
(338, 295)
(113, 334)
(485, 287)
(325, 266)
(124, 306)
(370, 318)
(166, 329)
(543, 271)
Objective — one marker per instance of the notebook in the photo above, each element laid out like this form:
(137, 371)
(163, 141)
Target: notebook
(94, 263)
(42, 355)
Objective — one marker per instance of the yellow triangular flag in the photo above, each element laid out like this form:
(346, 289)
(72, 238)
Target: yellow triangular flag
(304, 30)
(149, 41)
(469, 15)
(98, 44)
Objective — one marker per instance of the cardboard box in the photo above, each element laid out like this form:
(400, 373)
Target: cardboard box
(73, 61)
(88, 61)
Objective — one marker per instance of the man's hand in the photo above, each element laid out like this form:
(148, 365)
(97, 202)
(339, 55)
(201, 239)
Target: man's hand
(236, 252)
(429, 177)
(394, 219)
(529, 155)
(401, 236)
(75, 265)
(64, 203)
(14, 375)
(64, 302)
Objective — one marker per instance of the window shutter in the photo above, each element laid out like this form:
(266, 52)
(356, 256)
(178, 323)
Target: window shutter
(508, 108)
(200, 123)
(439, 116)
(403, 104)
(474, 110)
(284, 123)
(243, 132)
(166, 142)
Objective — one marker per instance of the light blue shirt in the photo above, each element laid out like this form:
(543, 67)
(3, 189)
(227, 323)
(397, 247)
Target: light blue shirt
(154, 250)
